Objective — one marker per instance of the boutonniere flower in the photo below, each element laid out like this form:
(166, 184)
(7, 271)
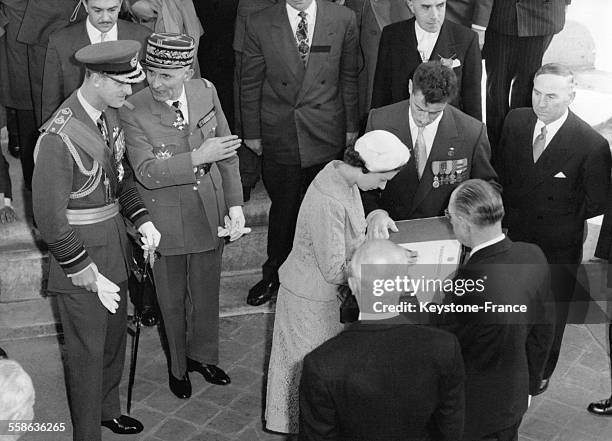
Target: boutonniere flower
(450, 62)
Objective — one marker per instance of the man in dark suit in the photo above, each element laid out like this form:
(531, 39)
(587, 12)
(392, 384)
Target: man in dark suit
(504, 352)
(184, 158)
(427, 36)
(555, 172)
(62, 74)
(517, 36)
(299, 108)
(81, 184)
(383, 378)
(448, 147)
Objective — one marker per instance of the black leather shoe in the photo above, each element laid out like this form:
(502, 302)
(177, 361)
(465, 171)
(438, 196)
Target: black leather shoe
(124, 425)
(262, 292)
(543, 386)
(181, 387)
(603, 407)
(210, 372)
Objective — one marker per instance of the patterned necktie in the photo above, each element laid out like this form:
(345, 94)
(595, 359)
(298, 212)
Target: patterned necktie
(539, 144)
(101, 123)
(301, 35)
(420, 151)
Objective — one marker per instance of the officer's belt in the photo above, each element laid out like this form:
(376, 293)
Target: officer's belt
(87, 216)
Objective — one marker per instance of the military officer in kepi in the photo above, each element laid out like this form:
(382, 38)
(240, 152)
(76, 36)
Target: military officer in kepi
(82, 191)
(185, 164)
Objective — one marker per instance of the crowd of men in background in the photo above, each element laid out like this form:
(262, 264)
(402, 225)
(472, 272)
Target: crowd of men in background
(307, 77)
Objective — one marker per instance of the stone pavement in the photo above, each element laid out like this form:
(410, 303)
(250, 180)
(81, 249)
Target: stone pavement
(234, 412)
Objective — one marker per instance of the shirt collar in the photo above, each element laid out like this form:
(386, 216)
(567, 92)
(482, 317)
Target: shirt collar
(488, 243)
(182, 99)
(94, 34)
(93, 113)
(311, 11)
(432, 126)
(551, 128)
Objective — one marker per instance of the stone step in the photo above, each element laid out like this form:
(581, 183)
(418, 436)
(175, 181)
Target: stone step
(40, 317)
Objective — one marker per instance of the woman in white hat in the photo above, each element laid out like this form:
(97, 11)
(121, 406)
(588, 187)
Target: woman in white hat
(331, 225)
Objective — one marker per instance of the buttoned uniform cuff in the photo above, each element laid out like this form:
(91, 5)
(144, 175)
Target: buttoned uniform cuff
(373, 213)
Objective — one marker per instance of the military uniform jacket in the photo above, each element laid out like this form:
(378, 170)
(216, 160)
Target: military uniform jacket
(460, 151)
(187, 205)
(58, 178)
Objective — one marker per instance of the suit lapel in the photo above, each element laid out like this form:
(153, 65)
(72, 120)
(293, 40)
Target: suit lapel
(445, 45)
(283, 38)
(164, 112)
(324, 32)
(446, 136)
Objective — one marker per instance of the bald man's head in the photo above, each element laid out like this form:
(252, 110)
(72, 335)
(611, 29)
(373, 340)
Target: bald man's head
(375, 252)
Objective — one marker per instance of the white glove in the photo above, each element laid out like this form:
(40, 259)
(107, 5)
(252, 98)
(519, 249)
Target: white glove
(234, 224)
(108, 293)
(150, 239)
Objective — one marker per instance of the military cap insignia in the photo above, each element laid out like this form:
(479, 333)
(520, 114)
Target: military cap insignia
(134, 60)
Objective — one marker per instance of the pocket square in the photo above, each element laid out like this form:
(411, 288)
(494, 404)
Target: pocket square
(456, 63)
(560, 175)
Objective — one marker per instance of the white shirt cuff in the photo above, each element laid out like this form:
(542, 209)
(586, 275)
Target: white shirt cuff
(82, 271)
(478, 27)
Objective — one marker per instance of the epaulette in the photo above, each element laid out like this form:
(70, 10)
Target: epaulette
(58, 122)
(207, 83)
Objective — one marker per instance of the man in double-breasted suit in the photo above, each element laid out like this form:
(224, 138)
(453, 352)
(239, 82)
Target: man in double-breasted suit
(62, 74)
(81, 190)
(185, 163)
(504, 352)
(385, 377)
(372, 17)
(299, 108)
(428, 36)
(518, 34)
(555, 171)
(454, 148)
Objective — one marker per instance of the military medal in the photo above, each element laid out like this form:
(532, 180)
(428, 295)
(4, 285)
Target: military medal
(453, 177)
(435, 168)
(179, 123)
(443, 177)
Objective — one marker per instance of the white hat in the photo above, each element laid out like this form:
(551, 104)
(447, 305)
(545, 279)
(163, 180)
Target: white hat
(382, 151)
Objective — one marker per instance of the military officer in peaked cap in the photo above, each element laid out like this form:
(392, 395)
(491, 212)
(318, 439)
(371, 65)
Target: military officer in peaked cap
(185, 163)
(82, 190)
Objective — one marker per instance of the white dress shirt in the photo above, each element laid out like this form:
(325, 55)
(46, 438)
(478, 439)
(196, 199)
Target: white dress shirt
(429, 132)
(551, 128)
(183, 106)
(95, 36)
(488, 243)
(425, 41)
(311, 17)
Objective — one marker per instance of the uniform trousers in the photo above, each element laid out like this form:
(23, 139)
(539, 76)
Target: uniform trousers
(94, 343)
(510, 61)
(286, 185)
(187, 288)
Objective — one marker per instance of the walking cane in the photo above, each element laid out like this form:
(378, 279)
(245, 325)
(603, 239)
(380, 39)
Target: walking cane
(142, 293)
